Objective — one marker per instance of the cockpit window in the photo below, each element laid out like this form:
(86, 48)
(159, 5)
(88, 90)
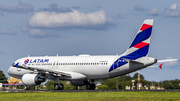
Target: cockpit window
(13, 65)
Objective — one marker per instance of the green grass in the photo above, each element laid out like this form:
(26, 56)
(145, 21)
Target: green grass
(91, 96)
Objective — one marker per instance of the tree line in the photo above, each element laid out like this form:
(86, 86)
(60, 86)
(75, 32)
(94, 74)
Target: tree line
(122, 81)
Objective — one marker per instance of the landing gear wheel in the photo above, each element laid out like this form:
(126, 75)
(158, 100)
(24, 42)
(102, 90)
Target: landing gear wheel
(61, 86)
(88, 87)
(91, 86)
(56, 87)
(26, 87)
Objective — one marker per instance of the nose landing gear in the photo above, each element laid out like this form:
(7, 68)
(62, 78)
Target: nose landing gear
(27, 87)
(91, 86)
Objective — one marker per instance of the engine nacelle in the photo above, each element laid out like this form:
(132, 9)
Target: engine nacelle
(32, 79)
(79, 83)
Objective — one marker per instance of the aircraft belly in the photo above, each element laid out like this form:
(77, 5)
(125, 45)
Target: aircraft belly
(95, 73)
(119, 71)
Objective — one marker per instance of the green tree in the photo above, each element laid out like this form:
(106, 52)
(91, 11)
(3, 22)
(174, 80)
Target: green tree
(175, 84)
(110, 83)
(117, 83)
(3, 78)
(50, 84)
(172, 84)
(167, 85)
(136, 76)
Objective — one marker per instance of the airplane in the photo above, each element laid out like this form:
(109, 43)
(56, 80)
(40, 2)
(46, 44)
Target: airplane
(84, 69)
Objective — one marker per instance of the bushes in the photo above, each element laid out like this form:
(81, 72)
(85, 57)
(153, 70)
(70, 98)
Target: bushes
(102, 87)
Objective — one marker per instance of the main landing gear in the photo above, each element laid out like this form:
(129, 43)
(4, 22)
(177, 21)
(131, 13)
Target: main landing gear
(89, 84)
(58, 86)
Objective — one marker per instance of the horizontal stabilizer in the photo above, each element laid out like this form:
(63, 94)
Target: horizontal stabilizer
(167, 60)
(132, 61)
(162, 61)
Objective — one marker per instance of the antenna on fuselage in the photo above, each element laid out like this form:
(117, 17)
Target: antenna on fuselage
(28, 55)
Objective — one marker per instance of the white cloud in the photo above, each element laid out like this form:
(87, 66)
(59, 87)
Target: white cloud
(73, 19)
(39, 33)
(153, 12)
(173, 10)
(7, 32)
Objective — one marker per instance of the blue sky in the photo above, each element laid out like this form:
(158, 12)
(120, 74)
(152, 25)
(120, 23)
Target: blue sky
(103, 27)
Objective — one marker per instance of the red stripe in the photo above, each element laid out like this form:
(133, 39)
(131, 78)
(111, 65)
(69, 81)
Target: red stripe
(140, 45)
(145, 26)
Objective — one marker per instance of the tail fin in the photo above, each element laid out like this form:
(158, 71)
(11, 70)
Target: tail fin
(140, 45)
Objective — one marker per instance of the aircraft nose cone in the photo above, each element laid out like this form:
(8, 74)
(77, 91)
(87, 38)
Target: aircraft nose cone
(9, 70)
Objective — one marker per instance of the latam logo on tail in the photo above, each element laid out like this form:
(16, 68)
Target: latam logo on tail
(36, 61)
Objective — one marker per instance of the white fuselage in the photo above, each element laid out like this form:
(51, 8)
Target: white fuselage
(92, 67)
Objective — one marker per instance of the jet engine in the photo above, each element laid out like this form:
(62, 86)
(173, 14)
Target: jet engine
(33, 79)
(79, 83)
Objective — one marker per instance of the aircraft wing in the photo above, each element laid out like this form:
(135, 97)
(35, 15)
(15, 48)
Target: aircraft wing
(47, 71)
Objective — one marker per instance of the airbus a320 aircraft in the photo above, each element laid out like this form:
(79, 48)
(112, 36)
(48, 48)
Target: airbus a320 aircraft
(84, 69)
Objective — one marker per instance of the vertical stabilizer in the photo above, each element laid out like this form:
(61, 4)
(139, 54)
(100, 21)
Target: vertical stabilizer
(140, 45)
